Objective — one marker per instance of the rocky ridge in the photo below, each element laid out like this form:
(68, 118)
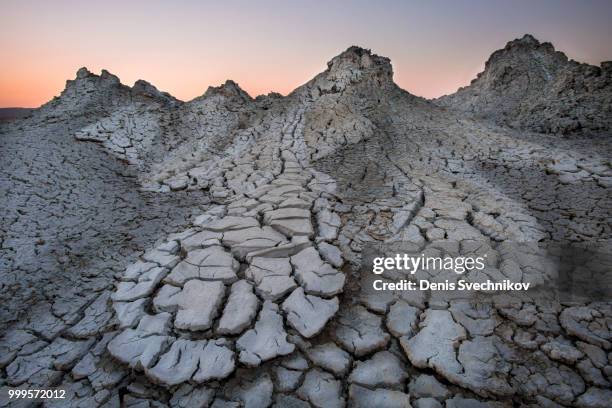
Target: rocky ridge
(529, 85)
(260, 300)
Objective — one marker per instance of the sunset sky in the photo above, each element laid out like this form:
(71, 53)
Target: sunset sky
(184, 46)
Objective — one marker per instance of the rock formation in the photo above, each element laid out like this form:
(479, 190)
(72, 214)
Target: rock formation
(208, 253)
(531, 86)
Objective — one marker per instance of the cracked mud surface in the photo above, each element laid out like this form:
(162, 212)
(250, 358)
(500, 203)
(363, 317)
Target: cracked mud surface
(71, 214)
(260, 299)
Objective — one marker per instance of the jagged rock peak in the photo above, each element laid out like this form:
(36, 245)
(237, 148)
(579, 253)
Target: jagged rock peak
(527, 39)
(527, 47)
(107, 76)
(140, 88)
(362, 59)
(527, 42)
(83, 72)
(354, 67)
(530, 85)
(146, 89)
(84, 75)
(85, 98)
(229, 89)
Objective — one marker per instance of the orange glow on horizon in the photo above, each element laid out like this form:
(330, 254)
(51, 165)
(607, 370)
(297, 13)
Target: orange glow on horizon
(184, 47)
(32, 88)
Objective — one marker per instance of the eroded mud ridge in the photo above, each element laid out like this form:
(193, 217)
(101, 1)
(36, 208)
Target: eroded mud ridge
(259, 299)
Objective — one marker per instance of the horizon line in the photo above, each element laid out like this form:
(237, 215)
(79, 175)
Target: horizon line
(253, 96)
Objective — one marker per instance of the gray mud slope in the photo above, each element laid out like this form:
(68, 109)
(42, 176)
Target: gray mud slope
(72, 216)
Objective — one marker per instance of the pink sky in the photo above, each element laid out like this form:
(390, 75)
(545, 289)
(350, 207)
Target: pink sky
(183, 47)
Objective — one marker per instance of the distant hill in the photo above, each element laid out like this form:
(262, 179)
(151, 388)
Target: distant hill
(13, 113)
(529, 85)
